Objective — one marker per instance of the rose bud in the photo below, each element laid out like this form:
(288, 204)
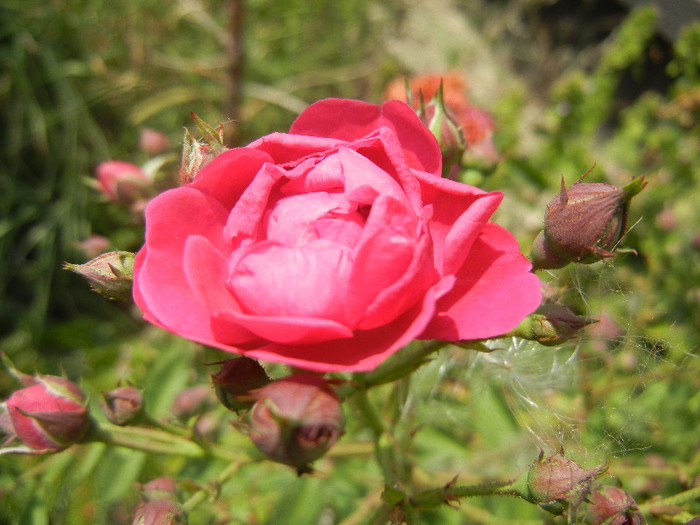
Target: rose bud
(109, 274)
(614, 506)
(47, 416)
(159, 488)
(444, 124)
(234, 381)
(92, 246)
(198, 153)
(158, 512)
(583, 224)
(153, 142)
(122, 182)
(296, 420)
(122, 404)
(191, 401)
(556, 483)
(550, 325)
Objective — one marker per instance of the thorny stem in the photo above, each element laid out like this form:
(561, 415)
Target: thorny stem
(396, 366)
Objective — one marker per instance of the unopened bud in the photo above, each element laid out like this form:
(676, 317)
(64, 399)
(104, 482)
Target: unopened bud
(47, 416)
(445, 126)
(614, 506)
(109, 274)
(122, 182)
(122, 404)
(191, 401)
(160, 488)
(555, 483)
(583, 224)
(197, 153)
(158, 512)
(236, 378)
(153, 142)
(296, 420)
(550, 324)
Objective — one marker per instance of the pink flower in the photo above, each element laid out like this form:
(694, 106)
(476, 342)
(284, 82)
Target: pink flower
(331, 247)
(121, 181)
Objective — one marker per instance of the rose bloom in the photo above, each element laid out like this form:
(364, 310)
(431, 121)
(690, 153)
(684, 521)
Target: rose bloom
(331, 247)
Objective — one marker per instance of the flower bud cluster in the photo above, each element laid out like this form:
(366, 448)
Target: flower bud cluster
(294, 420)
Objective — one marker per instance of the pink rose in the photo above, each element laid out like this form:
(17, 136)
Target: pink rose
(121, 181)
(331, 247)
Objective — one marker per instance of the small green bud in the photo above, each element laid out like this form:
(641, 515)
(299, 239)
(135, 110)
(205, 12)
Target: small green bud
(109, 274)
(550, 324)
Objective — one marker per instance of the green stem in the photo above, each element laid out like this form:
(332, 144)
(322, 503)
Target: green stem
(383, 441)
(400, 364)
(437, 497)
(154, 441)
(676, 500)
(212, 488)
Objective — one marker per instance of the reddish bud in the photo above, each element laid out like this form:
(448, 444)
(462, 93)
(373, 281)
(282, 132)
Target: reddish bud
(92, 246)
(296, 420)
(153, 142)
(122, 404)
(122, 182)
(191, 401)
(158, 512)
(159, 488)
(109, 274)
(47, 416)
(583, 224)
(614, 506)
(556, 483)
(236, 378)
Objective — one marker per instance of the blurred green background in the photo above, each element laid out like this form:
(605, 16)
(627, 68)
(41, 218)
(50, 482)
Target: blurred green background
(569, 83)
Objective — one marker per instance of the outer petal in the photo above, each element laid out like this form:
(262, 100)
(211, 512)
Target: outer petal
(228, 175)
(364, 351)
(160, 284)
(460, 213)
(350, 120)
(290, 149)
(493, 293)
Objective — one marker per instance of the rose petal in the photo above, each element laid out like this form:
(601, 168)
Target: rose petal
(229, 174)
(350, 120)
(493, 293)
(460, 212)
(246, 216)
(300, 219)
(305, 281)
(276, 329)
(287, 148)
(206, 270)
(161, 285)
(364, 351)
(388, 246)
